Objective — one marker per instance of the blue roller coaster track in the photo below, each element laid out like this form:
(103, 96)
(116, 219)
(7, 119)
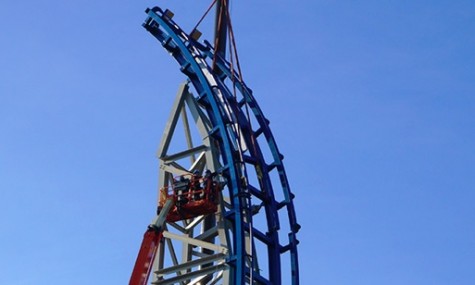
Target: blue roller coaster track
(249, 160)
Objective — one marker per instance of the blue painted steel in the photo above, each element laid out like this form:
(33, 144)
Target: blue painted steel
(225, 112)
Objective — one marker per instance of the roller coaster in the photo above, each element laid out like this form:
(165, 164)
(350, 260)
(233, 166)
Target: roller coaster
(225, 212)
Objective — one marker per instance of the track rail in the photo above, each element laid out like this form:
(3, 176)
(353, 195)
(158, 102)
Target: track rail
(249, 158)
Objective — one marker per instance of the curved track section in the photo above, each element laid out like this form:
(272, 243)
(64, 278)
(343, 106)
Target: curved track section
(257, 204)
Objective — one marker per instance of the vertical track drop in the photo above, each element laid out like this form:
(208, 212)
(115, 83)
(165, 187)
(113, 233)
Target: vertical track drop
(251, 238)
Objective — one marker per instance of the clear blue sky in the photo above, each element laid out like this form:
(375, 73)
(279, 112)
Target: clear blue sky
(372, 103)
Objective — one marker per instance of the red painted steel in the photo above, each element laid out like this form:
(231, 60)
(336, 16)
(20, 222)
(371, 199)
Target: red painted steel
(143, 264)
(200, 197)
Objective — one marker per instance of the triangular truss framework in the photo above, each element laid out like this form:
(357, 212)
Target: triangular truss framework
(195, 249)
